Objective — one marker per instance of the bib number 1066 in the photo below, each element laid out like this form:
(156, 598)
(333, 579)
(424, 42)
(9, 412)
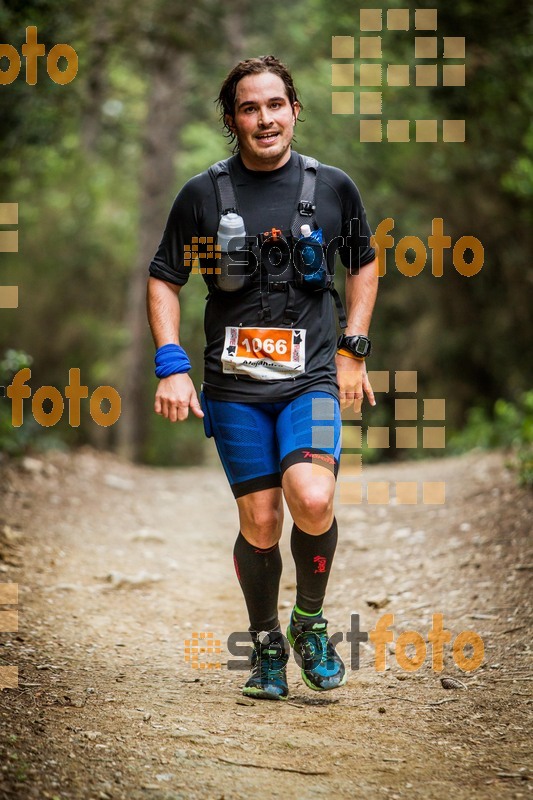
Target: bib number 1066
(268, 346)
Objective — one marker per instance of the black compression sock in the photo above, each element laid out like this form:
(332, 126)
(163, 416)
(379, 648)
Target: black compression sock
(259, 573)
(313, 556)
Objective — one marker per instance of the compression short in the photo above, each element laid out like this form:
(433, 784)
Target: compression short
(257, 442)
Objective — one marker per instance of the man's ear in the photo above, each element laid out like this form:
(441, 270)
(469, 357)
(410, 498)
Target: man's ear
(230, 122)
(296, 108)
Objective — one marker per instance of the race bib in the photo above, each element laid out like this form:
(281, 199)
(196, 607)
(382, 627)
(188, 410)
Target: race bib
(264, 353)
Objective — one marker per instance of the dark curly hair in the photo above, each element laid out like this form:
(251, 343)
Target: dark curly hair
(251, 66)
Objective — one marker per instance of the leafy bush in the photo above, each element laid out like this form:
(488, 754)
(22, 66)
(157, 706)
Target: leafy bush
(510, 426)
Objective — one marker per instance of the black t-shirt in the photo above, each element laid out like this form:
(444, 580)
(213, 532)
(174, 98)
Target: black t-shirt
(266, 200)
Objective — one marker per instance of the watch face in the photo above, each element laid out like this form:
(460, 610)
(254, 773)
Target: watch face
(359, 345)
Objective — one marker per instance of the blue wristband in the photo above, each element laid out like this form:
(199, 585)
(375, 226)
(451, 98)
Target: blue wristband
(171, 359)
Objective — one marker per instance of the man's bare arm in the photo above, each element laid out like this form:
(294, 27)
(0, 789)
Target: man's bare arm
(176, 393)
(163, 308)
(361, 292)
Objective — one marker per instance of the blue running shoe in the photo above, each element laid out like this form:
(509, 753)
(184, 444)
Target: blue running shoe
(268, 676)
(322, 667)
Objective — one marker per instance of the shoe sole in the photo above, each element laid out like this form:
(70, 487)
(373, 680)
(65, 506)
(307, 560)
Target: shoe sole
(305, 679)
(260, 694)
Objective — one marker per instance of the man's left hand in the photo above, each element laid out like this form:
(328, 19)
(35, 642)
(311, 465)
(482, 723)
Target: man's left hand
(353, 383)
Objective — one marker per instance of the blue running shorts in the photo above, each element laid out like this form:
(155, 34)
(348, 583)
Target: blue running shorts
(257, 442)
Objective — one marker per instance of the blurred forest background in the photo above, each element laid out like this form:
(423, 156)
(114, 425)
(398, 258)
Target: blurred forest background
(94, 166)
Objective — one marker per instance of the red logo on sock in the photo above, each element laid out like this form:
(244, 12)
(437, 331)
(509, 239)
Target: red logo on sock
(321, 563)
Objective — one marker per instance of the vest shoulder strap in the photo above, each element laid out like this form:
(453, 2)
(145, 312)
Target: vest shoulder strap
(220, 176)
(305, 211)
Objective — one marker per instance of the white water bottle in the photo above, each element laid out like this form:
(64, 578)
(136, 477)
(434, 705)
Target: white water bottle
(231, 235)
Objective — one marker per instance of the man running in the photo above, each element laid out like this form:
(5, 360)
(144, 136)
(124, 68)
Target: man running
(274, 371)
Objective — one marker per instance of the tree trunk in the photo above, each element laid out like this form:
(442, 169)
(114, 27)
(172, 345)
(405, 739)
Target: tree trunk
(163, 121)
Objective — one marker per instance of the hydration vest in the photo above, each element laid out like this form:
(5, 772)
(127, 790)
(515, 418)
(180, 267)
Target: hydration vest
(304, 213)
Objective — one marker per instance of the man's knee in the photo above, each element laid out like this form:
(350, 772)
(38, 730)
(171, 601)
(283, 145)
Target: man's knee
(314, 502)
(261, 522)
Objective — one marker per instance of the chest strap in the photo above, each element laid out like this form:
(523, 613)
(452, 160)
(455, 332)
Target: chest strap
(304, 213)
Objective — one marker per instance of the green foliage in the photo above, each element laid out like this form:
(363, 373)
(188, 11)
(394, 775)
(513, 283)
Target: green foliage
(14, 441)
(509, 426)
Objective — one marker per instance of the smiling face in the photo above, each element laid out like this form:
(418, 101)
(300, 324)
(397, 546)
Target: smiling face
(264, 121)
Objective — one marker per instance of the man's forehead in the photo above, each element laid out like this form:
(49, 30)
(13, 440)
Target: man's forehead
(264, 86)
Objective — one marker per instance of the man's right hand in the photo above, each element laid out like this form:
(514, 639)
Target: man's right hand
(174, 396)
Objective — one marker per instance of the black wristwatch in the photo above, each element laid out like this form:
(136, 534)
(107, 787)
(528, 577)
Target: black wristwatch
(360, 346)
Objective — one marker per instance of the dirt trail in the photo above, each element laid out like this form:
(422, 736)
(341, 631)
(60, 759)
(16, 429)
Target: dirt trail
(108, 707)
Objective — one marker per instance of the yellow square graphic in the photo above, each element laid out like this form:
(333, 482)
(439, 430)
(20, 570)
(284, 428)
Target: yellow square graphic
(342, 47)
(434, 409)
(453, 75)
(370, 19)
(9, 620)
(378, 493)
(370, 130)
(398, 74)
(370, 75)
(398, 130)
(406, 409)
(9, 213)
(426, 74)
(350, 493)
(453, 130)
(377, 437)
(454, 47)
(426, 130)
(425, 47)
(426, 19)
(9, 593)
(342, 75)
(350, 414)
(406, 493)
(379, 380)
(9, 296)
(406, 438)
(405, 380)
(433, 492)
(352, 436)
(9, 677)
(370, 103)
(370, 47)
(9, 241)
(351, 465)
(342, 103)
(398, 19)
(434, 437)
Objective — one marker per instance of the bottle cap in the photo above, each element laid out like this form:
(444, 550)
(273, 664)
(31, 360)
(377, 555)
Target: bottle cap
(305, 230)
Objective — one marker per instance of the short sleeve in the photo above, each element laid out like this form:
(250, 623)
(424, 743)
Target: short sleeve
(170, 263)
